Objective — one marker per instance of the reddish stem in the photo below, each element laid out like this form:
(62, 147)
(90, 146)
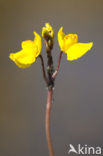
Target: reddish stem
(47, 121)
(58, 65)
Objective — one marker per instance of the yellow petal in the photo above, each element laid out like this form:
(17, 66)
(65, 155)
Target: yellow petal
(69, 40)
(61, 36)
(78, 50)
(65, 41)
(28, 54)
(37, 42)
(27, 44)
(23, 59)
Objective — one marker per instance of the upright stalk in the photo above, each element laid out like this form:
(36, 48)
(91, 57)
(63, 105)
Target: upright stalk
(48, 35)
(47, 122)
(50, 84)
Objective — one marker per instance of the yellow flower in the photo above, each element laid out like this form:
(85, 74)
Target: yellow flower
(69, 45)
(47, 32)
(30, 51)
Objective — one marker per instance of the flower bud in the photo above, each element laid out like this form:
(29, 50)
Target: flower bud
(48, 35)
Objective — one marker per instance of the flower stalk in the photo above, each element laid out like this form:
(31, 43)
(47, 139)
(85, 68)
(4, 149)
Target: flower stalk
(48, 36)
(50, 70)
(47, 122)
(51, 76)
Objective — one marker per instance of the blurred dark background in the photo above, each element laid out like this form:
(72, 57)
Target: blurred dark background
(77, 112)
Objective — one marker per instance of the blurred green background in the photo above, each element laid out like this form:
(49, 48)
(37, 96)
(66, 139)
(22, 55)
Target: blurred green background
(78, 96)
